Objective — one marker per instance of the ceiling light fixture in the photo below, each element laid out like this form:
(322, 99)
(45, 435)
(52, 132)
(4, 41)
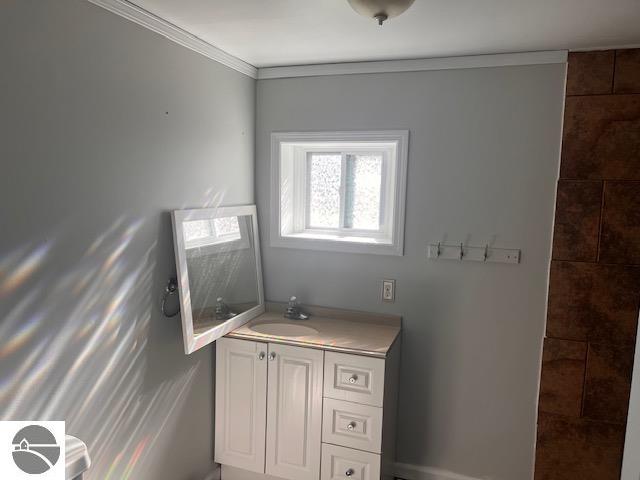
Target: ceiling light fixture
(381, 10)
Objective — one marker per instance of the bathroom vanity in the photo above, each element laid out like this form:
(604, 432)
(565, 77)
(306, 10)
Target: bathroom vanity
(317, 398)
(309, 397)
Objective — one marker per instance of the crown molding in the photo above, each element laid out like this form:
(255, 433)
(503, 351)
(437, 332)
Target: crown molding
(176, 34)
(443, 63)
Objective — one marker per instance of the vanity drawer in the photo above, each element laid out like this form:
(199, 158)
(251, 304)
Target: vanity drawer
(352, 425)
(340, 463)
(354, 378)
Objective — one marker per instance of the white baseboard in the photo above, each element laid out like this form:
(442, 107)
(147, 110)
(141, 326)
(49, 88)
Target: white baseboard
(407, 471)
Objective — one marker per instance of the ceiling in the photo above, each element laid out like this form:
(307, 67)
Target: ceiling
(298, 32)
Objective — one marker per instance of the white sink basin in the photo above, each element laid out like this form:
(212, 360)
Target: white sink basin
(283, 329)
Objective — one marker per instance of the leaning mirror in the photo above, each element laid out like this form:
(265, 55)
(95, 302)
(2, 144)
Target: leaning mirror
(219, 272)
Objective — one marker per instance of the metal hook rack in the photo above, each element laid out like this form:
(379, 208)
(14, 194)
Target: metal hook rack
(468, 253)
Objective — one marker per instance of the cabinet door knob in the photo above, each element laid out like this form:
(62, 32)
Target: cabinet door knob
(349, 472)
(272, 356)
(261, 356)
(351, 426)
(353, 378)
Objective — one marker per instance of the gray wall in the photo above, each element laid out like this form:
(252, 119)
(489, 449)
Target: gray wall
(105, 128)
(483, 162)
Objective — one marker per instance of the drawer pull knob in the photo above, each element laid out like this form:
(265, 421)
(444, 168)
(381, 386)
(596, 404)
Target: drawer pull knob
(351, 426)
(272, 356)
(353, 378)
(349, 472)
(261, 356)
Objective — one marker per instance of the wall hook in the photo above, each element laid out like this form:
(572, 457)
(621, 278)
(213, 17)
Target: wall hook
(486, 252)
(438, 251)
(170, 289)
(461, 251)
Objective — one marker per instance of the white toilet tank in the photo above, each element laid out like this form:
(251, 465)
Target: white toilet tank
(77, 458)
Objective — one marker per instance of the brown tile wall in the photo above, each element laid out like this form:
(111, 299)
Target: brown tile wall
(594, 288)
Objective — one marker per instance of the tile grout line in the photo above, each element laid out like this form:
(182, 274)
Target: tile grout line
(582, 419)
(607, 94)
(613, 76)
(603, 264)
(587, 341)
(594, 180)
(600, 222)
(584, 381)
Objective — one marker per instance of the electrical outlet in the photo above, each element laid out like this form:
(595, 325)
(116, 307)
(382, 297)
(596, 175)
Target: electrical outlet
(388, 291)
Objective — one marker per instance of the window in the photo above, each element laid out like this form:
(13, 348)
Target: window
(339, 191)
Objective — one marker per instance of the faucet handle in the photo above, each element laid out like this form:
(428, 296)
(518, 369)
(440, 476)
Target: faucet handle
(293, 304)
(293, 310)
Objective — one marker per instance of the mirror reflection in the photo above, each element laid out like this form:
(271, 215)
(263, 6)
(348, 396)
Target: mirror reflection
(221, 268)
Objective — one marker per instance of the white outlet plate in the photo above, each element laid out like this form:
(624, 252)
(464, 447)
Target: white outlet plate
(388, 291)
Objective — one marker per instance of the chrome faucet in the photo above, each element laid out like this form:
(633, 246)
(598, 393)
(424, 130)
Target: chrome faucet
(223, 312)
(293, 310)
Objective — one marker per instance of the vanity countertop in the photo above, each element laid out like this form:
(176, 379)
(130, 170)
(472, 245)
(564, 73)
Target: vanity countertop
(346, 331)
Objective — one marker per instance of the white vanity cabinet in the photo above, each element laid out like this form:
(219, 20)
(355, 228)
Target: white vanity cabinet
(295, 400)
(301, 413)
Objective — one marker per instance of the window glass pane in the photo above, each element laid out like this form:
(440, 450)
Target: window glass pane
(324, 190)
(363, 192)
(226, 226)
(196, 229)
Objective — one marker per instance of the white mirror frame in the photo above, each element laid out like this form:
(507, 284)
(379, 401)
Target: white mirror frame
(631, 462)
(194, 342)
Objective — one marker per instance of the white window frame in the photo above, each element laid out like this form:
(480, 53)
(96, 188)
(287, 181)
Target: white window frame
(289, 162)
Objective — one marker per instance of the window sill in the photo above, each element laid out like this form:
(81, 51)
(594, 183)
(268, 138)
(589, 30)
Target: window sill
(335, 243)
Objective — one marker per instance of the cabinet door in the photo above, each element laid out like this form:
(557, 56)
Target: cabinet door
(294, 412)
(241, 403)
